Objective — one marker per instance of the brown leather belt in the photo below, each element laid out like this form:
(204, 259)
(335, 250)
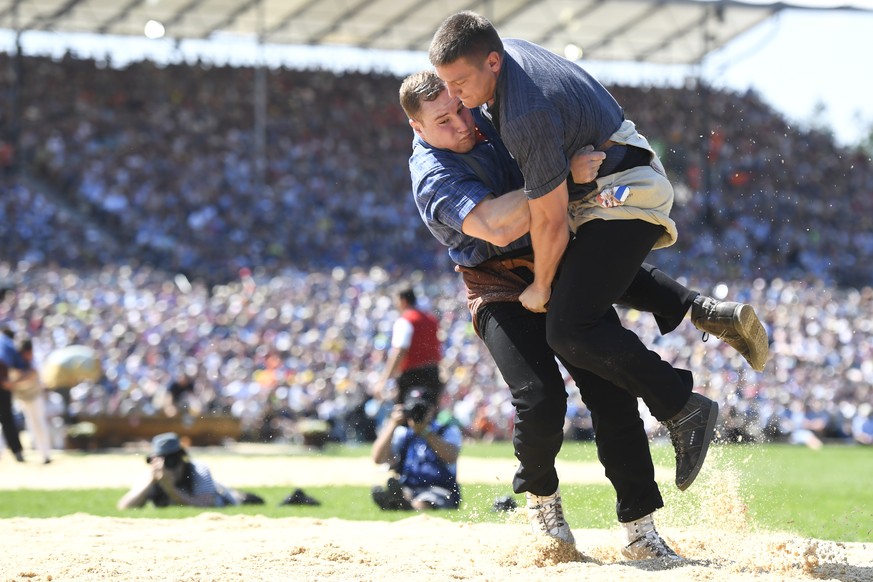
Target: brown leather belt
(524, 261)
(517, 263)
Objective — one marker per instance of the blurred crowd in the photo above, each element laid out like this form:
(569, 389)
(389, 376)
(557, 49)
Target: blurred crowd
(138, 220)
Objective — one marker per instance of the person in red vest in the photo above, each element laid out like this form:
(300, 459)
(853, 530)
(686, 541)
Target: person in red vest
(415, 352)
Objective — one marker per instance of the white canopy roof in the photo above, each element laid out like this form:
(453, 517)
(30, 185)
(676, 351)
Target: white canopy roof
(658, 31)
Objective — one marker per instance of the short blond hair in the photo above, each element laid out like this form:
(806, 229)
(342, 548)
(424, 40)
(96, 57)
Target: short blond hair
(418, 88)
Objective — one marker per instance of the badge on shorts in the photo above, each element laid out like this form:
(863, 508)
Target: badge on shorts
(613, 196)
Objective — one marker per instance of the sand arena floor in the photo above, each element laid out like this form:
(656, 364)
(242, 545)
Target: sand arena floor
(713, 533)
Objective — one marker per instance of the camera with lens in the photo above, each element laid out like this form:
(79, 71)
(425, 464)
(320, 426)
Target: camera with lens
(416, 411)
(171, 461)
(416, 406)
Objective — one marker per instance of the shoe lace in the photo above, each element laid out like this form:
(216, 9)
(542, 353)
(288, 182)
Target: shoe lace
(677, 443)
(677, 438)
(708, 308)
(648, 538)
(550, 514)
(653, 542)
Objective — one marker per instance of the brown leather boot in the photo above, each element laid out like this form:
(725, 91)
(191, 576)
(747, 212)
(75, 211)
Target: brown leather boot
(734, 323)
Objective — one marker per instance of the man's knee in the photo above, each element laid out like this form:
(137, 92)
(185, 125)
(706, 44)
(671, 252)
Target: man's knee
(542, 412)
(567, 337)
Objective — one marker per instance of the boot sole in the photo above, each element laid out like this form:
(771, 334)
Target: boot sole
(707, 438)
(750, 329)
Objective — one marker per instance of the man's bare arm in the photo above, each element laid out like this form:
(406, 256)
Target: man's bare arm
(502, 219)
(381, 449)
(499, 220)
(138, 494)
(395, 356)
(550, 233)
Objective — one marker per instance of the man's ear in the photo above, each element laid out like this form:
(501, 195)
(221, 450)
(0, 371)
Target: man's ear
(494, 61)
(416, 127)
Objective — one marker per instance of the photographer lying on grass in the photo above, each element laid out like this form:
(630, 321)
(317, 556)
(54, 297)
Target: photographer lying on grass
(422, 453)
(174, 479)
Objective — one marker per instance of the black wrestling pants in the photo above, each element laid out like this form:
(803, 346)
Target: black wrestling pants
(516, 339)
(599, 265)
(7, 419)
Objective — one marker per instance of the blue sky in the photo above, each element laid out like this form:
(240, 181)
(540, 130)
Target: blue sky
(804, 58)
(795, 61)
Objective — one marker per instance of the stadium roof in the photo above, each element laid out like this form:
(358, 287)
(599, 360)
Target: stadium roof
(658, 31)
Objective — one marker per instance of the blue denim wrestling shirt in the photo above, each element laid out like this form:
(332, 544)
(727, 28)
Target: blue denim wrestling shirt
(446, 188)
(547, 108)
